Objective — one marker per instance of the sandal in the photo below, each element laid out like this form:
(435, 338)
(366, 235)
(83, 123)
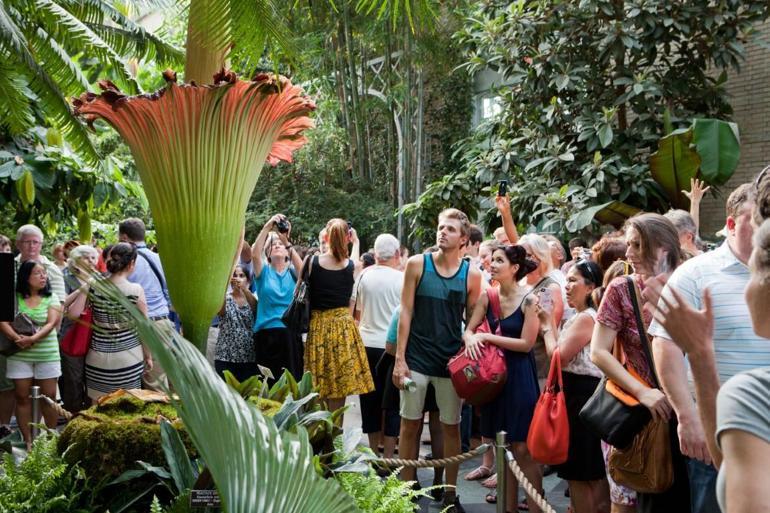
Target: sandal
(491, 497)
(480, 472)
(490, 482)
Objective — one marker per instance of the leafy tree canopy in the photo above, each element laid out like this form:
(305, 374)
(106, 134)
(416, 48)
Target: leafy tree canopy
(583, 88)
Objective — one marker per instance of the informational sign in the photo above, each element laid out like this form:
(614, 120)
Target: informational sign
(204, 499)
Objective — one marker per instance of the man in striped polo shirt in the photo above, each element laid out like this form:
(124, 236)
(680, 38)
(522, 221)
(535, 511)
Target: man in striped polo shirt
(725, 274)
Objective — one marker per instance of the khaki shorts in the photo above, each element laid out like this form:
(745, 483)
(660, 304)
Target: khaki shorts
(449, 403)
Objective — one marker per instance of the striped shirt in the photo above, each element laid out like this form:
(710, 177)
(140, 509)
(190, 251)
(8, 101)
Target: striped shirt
(47, 349)
(737, 348)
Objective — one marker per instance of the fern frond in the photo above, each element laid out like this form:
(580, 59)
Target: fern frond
(51, 100)
(418, 13)
(139, 44)
(124, 36)
(15, 112)
(75, 35)
(64, 71)
(256, 23)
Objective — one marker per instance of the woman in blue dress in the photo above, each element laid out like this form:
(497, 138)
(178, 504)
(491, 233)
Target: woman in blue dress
(512, 410)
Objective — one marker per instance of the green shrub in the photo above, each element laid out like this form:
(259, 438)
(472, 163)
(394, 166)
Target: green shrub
(42, 483)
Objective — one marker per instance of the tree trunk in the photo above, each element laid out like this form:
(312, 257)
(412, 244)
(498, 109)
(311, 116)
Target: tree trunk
(360, 162)
(419, 136)
(388, 70)
(345, 90)
(407, 115)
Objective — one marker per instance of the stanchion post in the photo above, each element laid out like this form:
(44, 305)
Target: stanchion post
(34, 394)
(500, 463)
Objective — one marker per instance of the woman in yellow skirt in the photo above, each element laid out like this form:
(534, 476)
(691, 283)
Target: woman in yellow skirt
(334, 352)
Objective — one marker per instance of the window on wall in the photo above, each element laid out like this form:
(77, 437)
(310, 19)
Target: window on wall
(490, 107)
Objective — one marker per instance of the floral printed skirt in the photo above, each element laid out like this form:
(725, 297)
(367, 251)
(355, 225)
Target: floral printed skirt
(335, 355)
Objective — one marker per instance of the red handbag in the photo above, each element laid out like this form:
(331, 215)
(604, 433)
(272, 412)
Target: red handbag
(78, 338)
(480, 381)
(548, 438)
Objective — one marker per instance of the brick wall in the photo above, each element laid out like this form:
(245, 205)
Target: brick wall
(750, 97)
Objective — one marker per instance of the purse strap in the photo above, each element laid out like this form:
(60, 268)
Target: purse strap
(494, 303)
(554, 373)
(643, 339)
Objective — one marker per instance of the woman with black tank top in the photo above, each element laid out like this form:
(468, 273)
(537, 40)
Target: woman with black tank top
(334, 351)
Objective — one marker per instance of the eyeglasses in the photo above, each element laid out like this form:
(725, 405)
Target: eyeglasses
(30, 242)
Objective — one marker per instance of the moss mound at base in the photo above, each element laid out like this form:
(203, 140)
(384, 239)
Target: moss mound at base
(109, 438)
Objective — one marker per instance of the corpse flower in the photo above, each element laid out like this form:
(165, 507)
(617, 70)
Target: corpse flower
(199, 151)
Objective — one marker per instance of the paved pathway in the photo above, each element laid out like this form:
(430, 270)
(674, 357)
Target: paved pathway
(471, 492)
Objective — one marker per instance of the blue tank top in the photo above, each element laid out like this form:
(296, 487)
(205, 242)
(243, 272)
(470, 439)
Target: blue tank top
(435, 334)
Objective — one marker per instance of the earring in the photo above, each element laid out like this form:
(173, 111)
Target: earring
(269, 260)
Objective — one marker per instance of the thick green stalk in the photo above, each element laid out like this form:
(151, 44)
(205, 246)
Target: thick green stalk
(206, 52)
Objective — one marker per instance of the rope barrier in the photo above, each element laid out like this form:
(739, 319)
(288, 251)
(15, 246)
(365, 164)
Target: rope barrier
(443, 462)
(524, 482)
(57, 407)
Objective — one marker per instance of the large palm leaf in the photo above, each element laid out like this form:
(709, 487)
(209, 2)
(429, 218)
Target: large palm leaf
(38, 39)
(256, 468)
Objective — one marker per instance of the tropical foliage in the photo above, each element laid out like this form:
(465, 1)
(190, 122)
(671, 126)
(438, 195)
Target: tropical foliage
(46, 183)
(42, 483)
(249, 459)
(41, 45)
(582, 90)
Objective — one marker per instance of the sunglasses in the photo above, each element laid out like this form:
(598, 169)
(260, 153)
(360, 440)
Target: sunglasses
(760, 177)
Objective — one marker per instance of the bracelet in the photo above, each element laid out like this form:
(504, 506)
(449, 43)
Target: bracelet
(545, 330)
(289, 247)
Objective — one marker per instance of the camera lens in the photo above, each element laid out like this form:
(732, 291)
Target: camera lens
(282, 226)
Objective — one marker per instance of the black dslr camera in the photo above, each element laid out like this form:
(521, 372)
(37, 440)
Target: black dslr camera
(282, 225)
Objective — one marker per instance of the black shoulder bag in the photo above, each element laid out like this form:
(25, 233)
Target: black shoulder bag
(22, 324)
(607, 416)
(297, 315)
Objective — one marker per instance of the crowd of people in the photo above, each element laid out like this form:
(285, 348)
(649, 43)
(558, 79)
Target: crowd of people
(383, 326)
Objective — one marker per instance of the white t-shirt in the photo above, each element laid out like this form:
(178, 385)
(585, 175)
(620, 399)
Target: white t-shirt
(377, 293)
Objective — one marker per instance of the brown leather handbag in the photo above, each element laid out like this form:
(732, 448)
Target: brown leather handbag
(646, 465)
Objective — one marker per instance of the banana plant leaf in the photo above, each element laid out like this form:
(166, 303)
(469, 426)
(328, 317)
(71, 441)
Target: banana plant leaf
(674, 164)
(719, 147)
(255, 467)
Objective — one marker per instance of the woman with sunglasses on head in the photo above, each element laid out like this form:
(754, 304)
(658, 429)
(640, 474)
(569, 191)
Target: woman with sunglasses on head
(584, 468)
(276, 269)
(548, 292)
(653, 251)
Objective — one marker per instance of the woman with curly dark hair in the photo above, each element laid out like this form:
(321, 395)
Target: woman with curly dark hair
(512, 410)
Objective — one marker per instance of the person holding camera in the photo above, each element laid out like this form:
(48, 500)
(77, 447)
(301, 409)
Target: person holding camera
(276, 264)
(235, 351)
